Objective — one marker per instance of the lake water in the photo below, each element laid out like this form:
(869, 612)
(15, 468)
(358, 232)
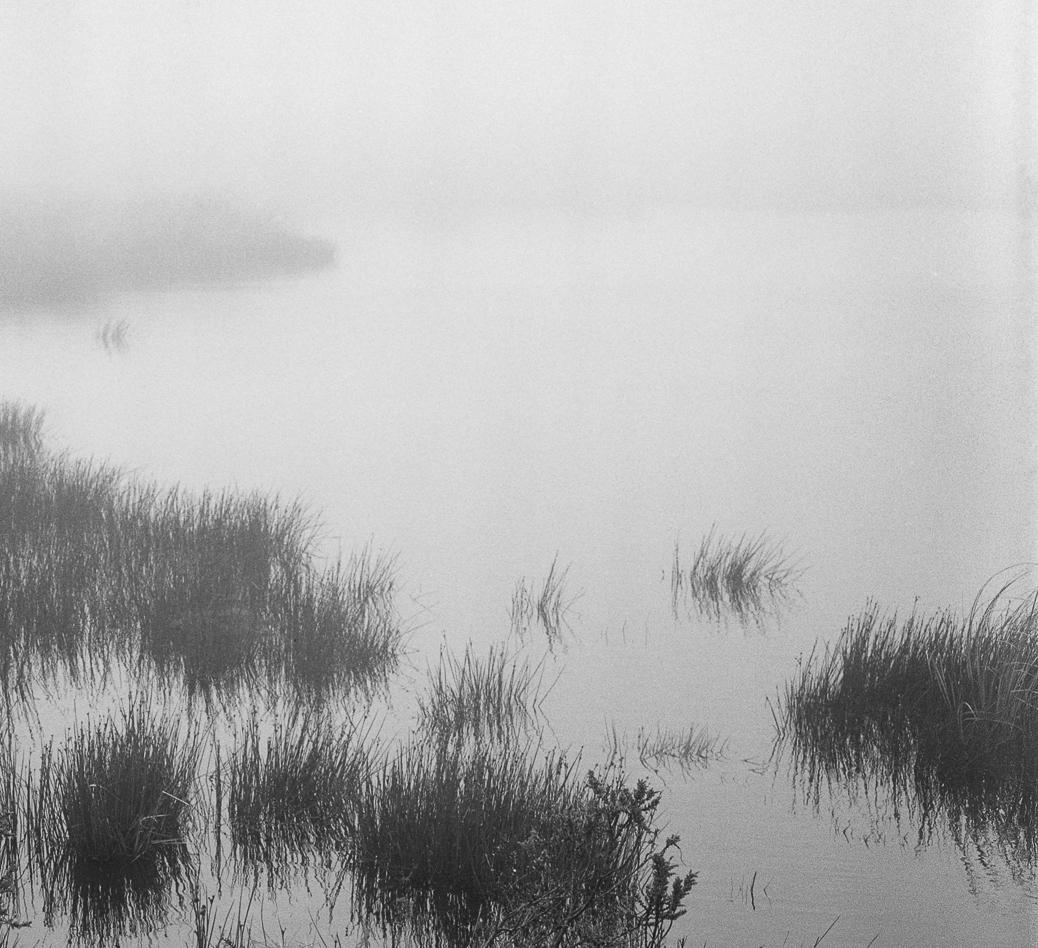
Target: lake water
(479, 394)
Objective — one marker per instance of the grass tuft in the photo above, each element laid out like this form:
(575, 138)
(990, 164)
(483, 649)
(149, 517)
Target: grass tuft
(685, 748)
(107, 815)
(292, 787)
(745, 575)
(112, 336)
(123, 788)
(21, 430)
(942, 707)
(493, 698)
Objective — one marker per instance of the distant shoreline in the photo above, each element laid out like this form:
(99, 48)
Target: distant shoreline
(52, 255)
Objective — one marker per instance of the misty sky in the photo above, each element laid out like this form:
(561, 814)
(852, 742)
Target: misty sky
(788, 102)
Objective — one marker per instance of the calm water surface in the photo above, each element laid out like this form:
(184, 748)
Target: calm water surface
(480, 394)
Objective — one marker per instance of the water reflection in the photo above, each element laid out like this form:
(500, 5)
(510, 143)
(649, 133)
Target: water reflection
(102, 907)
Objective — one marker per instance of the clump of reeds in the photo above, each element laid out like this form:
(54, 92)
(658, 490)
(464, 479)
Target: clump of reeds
(965, 687)
(495, 697)
(122, 788)
(941, 707)
(514, 850)
(21, 429)
(217, 587)
(105, 818)
(113, 335)
(294, 788)
(746, 575)
(546, 604)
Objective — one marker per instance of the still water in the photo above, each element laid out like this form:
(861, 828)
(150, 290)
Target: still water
(481, 394)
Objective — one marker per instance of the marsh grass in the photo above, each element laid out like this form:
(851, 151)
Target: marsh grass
(217, 587)
(344, 629)
(106, 817)
(492, 846)
(12, 899)
(546, 604)
(747, 575)
(490, 698)
(21, 429)
(292, 788)
(940, 708)
(123, 787)
(964, 687)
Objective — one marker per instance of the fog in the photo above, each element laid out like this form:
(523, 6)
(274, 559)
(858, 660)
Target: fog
(334, 105)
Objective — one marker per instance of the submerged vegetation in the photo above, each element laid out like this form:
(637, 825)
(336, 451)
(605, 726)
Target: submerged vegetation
(940, 708)
(746, 575)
